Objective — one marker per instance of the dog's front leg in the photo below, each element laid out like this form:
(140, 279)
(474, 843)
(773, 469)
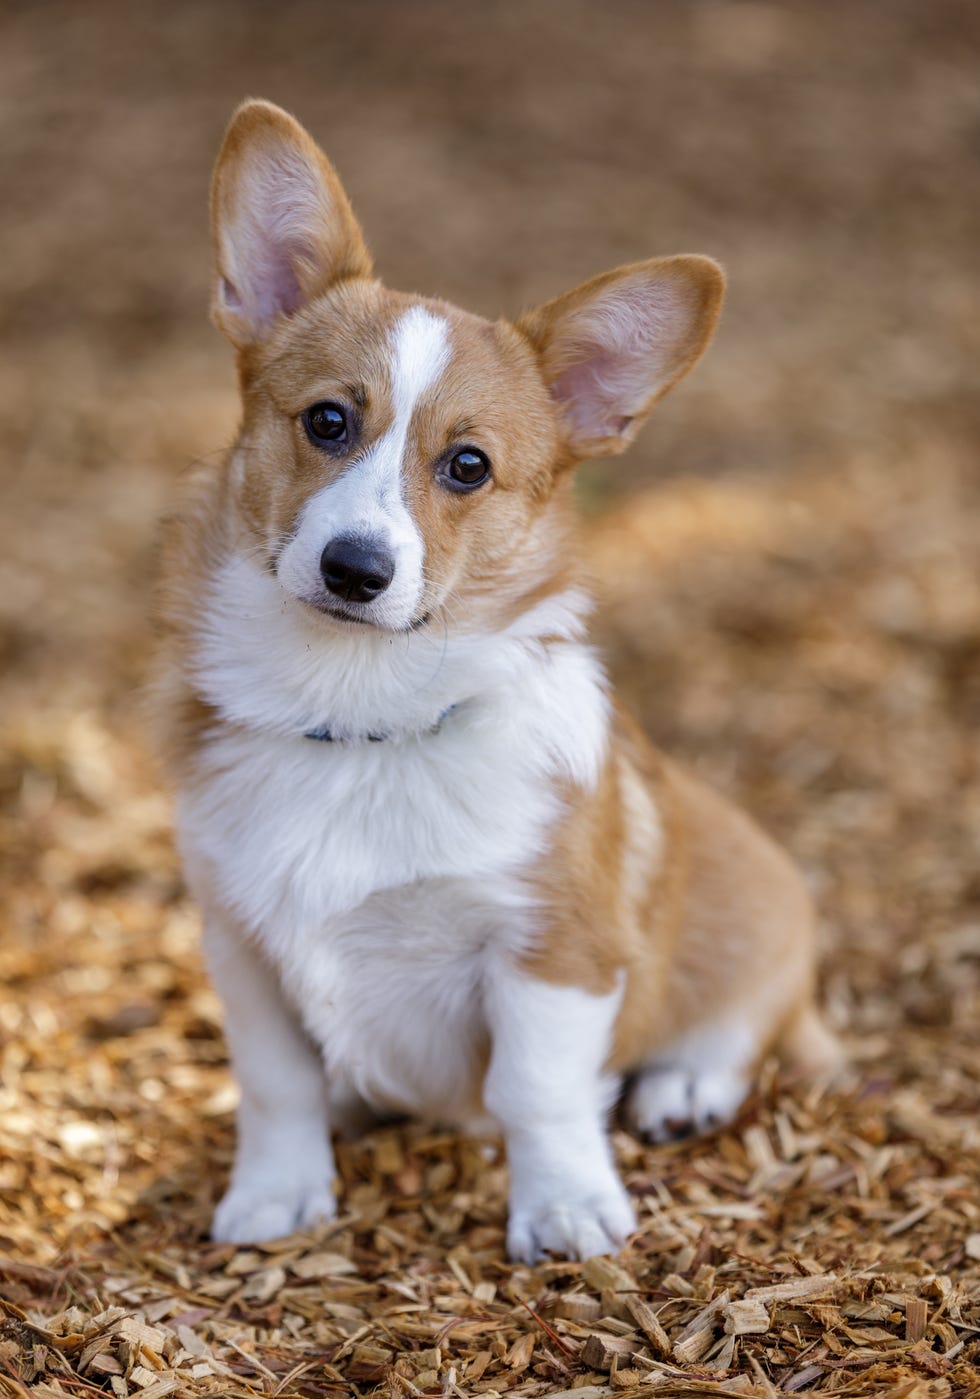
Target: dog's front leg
(546, 1087)
(283, 1173)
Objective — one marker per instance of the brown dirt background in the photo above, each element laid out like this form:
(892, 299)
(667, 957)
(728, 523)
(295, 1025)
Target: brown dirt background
(791, 601)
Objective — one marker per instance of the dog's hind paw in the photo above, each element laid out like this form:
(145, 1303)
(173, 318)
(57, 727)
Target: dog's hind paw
(665, 1104)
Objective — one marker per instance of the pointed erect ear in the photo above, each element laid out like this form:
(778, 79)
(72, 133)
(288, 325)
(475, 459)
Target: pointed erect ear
(283, 229)
(613, 346)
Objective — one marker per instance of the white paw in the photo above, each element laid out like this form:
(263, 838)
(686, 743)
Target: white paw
(574, 1225)
(668, 1103)
(250, 1214)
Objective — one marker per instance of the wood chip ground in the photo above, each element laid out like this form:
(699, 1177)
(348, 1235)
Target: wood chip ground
(791, 602)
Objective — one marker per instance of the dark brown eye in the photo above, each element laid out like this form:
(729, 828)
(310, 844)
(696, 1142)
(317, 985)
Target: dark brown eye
(468, 469)
(326, 422)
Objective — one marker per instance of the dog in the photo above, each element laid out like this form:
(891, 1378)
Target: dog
(441, 872)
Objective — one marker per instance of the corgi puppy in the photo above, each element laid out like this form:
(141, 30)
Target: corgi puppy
(441, 872)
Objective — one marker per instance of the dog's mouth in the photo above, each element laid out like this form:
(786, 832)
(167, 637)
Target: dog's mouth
(349, 617)
(341, 614)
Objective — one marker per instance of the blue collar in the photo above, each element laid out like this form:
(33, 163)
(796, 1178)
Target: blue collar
(325, 736)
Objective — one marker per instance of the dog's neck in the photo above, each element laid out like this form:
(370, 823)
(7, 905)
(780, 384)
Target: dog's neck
(325, 735)
(267, 662)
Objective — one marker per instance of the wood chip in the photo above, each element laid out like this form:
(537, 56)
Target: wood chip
(265, 1284)
(144, 1378)
(601, 1273)
(146, 1337)
(649, 1323)
(167, 1384)
(601, 1349)
(578, 1307)
(518, 1357)
(748, 1317)
(192, 1342)
(104, 1363)
(322, 1265)
(916, 1318)
(794, 1290)
(368, 1362)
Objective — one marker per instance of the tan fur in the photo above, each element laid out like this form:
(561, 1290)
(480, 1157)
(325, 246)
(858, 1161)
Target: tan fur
(651, 872)
(703, 910)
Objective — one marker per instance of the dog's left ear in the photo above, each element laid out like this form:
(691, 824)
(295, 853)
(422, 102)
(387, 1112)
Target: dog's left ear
(613, 346)
(282, 225)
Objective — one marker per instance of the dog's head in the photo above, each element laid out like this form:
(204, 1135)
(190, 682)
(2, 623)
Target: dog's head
(400, 458)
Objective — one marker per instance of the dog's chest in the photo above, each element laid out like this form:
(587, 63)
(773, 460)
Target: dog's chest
(295, 832)
(382, 880)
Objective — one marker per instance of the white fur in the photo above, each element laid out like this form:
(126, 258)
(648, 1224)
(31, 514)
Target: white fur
(367, 501)
(283, 1174)
(546, 1087)
(697, 1082)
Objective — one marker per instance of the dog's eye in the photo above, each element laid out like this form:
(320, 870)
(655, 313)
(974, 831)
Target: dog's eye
(468, 469)
(326, 422)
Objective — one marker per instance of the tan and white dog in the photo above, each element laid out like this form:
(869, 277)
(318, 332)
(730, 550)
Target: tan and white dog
(441, 873)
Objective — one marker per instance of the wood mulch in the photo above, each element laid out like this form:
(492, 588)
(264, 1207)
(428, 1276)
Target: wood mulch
(789, 566)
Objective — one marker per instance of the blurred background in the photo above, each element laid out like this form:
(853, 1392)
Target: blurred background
(787, 560)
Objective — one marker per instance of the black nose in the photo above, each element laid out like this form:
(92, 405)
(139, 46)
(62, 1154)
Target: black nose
(356, 569)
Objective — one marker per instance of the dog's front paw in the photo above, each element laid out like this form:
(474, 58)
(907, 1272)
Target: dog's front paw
(576, 1224)
(251, 1213)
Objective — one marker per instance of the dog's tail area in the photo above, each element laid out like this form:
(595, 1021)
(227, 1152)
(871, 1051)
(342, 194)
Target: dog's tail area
(809, 1047)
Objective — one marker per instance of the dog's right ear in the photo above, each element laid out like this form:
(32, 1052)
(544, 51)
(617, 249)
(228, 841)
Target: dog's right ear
(282, 225)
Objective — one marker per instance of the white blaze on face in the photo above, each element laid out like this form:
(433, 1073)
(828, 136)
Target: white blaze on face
(368, 500)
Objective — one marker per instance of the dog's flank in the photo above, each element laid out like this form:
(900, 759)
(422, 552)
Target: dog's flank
(486, 898)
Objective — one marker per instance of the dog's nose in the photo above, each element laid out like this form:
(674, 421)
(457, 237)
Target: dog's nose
(356, 569)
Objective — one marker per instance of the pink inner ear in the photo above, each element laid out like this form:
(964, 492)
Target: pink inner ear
(229, 296)
(272, 290)
(269, 238)
(276, 287)
(592, 392)
(611, 355)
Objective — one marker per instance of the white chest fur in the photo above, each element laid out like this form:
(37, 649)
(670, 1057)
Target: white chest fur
(377, 876)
